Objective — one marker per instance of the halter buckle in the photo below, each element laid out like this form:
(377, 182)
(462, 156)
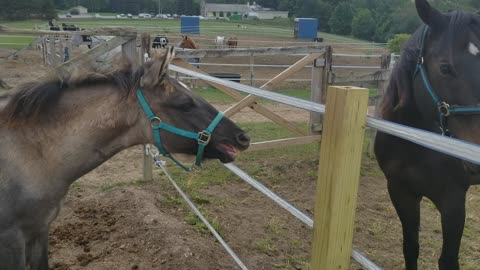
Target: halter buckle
(421, 60)
(203, 137)
(444, 108)
(154, 122)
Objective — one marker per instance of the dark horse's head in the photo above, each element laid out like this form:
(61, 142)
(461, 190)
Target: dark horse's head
(448, 45)
(178, 106)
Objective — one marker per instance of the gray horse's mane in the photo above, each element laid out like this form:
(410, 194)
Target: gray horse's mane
(31, 100)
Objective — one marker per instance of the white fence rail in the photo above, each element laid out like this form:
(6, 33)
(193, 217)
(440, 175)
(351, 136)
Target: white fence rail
(457, 148)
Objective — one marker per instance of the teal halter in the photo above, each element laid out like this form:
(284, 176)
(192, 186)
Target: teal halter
(202, 138)
(444, 109)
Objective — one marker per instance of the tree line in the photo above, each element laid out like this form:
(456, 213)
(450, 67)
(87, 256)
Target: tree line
(27, 9)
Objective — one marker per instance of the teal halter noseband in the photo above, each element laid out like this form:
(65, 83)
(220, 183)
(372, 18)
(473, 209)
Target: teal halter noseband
(202, 138)
(444, 109)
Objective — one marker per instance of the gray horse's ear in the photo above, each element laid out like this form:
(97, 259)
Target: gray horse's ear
(154, 72)
(430, 16)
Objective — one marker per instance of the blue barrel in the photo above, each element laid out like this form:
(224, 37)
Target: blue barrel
(190, 25)
(306, 28)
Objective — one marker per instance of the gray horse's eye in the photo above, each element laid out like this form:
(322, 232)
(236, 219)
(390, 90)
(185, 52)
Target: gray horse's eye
(445, 69)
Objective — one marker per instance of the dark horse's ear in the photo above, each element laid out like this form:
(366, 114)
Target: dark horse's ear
(154, 72)
(430, 16)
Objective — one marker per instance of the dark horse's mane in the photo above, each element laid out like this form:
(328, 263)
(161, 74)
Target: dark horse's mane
(30, 100)
(398, 96)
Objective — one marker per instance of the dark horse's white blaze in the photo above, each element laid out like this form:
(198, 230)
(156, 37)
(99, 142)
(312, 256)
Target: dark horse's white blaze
(450, 56)
(54, 132)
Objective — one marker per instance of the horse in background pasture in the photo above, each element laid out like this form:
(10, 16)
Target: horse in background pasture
(187, 43)
(232, 42)
(57, 130)
(219, 42)
(160, 42)
(434, 87)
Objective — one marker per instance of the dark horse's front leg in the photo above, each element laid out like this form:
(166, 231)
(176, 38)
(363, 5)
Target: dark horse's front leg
(452, 210)
(407, 205)
(12, 249)
(37, 252)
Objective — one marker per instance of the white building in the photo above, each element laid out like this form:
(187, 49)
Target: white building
(223, 10)
(81, 9)
(210, 10)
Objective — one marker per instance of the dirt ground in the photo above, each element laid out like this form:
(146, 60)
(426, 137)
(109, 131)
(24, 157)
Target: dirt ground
(113, 220)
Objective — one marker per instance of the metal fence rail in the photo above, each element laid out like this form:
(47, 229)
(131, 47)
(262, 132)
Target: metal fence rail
(356, 255)
(234, 256)
(457, 148)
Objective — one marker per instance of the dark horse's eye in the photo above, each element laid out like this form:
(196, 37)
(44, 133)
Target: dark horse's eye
(446, 69)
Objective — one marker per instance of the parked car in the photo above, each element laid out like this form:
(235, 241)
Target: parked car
(129, 15)
(144, 16)
(68, 15)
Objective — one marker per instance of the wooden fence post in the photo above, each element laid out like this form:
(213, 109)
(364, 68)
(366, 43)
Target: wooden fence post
(338, 178)
(251, 69)
(320, 79)
(147, 159)
(53, 52)
(130, 49)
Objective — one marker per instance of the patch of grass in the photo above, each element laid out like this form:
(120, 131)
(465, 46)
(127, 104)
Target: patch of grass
(15, 42)
(294, 262)
(200, 227)
(266, 245)
(276, 226)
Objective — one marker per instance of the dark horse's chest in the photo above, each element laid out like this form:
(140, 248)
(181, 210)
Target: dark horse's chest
(424, 170)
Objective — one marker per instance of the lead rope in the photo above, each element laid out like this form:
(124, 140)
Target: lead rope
(162, 164)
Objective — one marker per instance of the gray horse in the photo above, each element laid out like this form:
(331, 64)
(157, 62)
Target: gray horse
(53, 132)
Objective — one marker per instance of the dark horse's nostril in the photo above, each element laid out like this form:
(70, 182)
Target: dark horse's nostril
(243, 139)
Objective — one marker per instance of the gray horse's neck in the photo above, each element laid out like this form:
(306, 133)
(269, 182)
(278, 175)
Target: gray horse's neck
(84, 130)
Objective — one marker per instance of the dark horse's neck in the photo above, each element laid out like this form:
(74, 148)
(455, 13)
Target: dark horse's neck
(398, 104)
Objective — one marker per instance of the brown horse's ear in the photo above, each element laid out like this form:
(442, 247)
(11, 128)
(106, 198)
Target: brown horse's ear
(154, 73)
(430, 16)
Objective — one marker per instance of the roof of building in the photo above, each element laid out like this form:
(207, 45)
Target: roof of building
(226, 7)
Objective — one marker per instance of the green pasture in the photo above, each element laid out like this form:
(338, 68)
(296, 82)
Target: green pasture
(15, 42)
(280, 28)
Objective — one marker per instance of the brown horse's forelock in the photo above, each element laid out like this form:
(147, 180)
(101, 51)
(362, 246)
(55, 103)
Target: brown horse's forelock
(188, 43)
(36, 99)
(400, 87)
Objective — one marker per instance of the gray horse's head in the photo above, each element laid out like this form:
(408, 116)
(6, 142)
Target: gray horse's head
(178, 106)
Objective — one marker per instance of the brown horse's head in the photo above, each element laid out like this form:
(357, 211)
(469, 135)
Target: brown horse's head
(451, 57)
(176, 105)
(188, 43)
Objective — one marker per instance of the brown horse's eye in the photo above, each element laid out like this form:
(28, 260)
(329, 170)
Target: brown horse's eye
(445, 69)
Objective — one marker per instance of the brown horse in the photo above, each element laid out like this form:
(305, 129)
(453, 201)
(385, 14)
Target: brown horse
(188, 44)
(438, 66)
(232, 42)
(55, 131)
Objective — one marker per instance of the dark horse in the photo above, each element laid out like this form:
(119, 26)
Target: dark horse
(447, 49)
(55, 131)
